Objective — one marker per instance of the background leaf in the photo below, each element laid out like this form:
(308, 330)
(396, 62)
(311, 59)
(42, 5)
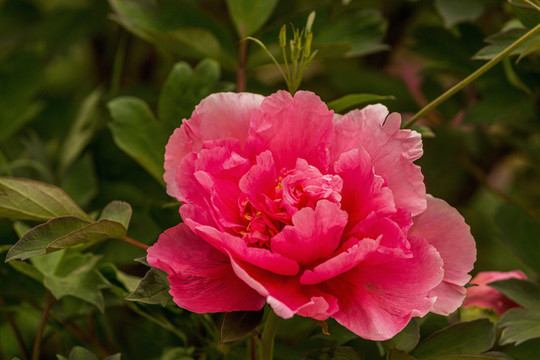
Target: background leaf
(250, 15)
(356, 100)
(153, 288)
(237, 324)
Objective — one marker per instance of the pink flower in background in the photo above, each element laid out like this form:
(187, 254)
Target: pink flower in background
(485, 296)
(317, 214)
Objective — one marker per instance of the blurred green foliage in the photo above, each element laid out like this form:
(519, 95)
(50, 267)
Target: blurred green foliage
(90, 91)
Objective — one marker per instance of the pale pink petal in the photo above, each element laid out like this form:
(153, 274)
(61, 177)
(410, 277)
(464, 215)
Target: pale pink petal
(340, 263)
(486, 296)
(391, 150)
(292, 128)
(443, 227)
(201, 277)
(362, 192)
(284, 293)
(236, 246)
(220, 115)
(377, 301)
(314, 235)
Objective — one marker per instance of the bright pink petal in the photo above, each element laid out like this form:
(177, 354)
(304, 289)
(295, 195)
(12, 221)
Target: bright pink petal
(284, 293)
(201, 277)
(362, 192)
(340, 263)
(220, 115)
(443, 227)
(314, 235)
(238, 248)
(377, 301)
(292, 128)
(391, 150)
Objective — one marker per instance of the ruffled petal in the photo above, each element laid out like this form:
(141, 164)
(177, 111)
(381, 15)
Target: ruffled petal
(314, 235)
(220, 115)
(201, 277)
(284, 293)
(281, 125)
(377, 301)
(391, 150)
(443, 227)
(238, 248)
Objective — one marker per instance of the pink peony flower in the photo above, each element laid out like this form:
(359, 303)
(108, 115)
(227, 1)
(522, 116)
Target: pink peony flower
(485, 296)
(316, 214)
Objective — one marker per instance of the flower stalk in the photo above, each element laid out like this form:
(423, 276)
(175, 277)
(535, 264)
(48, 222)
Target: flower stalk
(472, 77)
(266, 342)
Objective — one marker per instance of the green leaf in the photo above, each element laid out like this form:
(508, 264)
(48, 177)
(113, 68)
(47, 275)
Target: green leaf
(79, 181)
(249, 15)
(520, 325)
(513, 78)
(529, 16)
(184, 89)
(71, 273)
(457, 11)
(355, 100)
(406, 339)
(82, 130)
(396, 354)
(468, 338)
(138, 134)
(153, 288)
(117, 211)
(334, 353)
(520, 231)
(63, 232)
(527, 350)
(500, 41)
(237, 324)
(467, 357)
(26, 199)
(177, 353)
(80, 353)
(523, 292)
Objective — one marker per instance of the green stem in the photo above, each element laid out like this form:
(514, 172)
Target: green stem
(266, 344)
(469, 79)
(118, 63)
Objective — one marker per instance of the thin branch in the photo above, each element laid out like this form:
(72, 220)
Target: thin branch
(49, 301)
(469, 79)
(15, 329)
(135, 243)
(241, 71)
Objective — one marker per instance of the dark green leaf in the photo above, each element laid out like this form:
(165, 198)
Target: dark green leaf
(153, 288)
(355, 100)
(184, 89)
(136, 132)
(520, 231)
(63, 232)
(467, 357)
(79, 181)
(334, 353)
(468, 338)
(72, 274)
(500, 41)
(527, 350)
(177, 353)
(523, 292)
(82, 130)
(33, 200)
(520, 325)
(528, 15)
(249, 15)
(238, 324)
(80, 353)
(396, 354)
(456, 11)
(406, 339)
(118, 211)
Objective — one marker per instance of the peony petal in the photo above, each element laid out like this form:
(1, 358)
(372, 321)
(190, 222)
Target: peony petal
(220, 115)
(236, 246)
(284, 293)
(201, 277)
(315, 234)
(281, 124)
(443, 227)
(377, 301)
(362, 192)
(340, 263)
(392, 152)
